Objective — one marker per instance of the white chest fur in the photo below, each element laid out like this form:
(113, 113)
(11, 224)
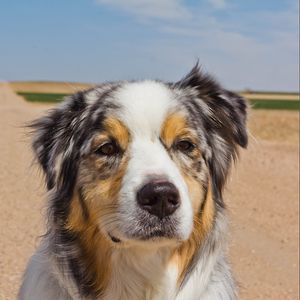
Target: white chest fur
(140, 274)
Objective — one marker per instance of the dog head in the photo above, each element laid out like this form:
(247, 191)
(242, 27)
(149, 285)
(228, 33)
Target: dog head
(137, 159)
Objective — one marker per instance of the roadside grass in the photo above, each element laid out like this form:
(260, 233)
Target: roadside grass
(42, 97)
(256, 104)
(275, 104)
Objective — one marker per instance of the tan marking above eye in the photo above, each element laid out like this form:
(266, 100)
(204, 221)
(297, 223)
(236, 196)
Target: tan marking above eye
(176, 128)
(113, 130)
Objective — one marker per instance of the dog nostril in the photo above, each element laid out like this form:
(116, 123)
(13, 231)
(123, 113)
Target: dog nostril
(160, 198)
(173, 200)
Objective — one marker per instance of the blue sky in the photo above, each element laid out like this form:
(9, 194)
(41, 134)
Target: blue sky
(245, 44)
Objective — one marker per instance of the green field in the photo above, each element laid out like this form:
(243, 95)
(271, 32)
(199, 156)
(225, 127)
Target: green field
(256, 104)
(275, 104)
(42, 97)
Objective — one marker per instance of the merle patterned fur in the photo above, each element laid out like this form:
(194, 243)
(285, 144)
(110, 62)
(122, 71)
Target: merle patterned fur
(218, 115)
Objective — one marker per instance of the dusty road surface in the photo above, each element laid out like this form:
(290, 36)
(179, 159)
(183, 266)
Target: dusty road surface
(262, 200)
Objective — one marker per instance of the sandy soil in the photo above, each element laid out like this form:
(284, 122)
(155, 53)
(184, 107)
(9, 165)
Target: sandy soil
(48, 86)
(262, 199)
(271, 96)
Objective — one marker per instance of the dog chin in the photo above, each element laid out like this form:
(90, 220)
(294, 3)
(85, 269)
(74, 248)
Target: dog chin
(158, 235)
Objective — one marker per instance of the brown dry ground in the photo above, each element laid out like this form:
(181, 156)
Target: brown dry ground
(270, 96)
(262, 200)
(48, 86)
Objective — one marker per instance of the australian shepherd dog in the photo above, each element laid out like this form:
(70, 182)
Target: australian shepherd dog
(135, 172)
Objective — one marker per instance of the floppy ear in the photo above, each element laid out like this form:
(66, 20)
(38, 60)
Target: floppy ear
(223, 115)
(53, 136)
(229, 109)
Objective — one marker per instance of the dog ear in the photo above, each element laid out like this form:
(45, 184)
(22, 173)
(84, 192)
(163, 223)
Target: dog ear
(222, 115)
(54, 138)
(228, 110)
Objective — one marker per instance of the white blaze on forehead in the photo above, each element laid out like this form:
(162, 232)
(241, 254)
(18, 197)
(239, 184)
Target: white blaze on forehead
(144, 109)
(144, 106)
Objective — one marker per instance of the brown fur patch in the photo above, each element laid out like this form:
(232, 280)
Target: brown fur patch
(175, 129)
(174, 126)
(117, 129)
(113, 129)
(203, 223)
(91, 240)
(195, 191)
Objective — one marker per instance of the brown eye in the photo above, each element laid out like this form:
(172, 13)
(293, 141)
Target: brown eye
(108, 149)
(185, 146)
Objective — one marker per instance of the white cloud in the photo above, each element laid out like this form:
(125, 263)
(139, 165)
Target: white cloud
(258, 51)
(218, 4)
(160, 9)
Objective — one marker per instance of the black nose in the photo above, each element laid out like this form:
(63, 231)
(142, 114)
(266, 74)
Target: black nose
(159, 198)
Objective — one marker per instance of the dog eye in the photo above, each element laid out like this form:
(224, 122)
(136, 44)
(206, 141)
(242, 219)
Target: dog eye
(107, 149)
(185, 146)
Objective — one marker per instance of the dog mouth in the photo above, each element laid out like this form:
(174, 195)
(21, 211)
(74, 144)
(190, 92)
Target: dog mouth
(146, 228)
(153, 228)
(149, 236)
(158, 232)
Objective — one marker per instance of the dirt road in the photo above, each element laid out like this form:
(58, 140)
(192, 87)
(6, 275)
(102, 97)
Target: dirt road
(262, 200)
